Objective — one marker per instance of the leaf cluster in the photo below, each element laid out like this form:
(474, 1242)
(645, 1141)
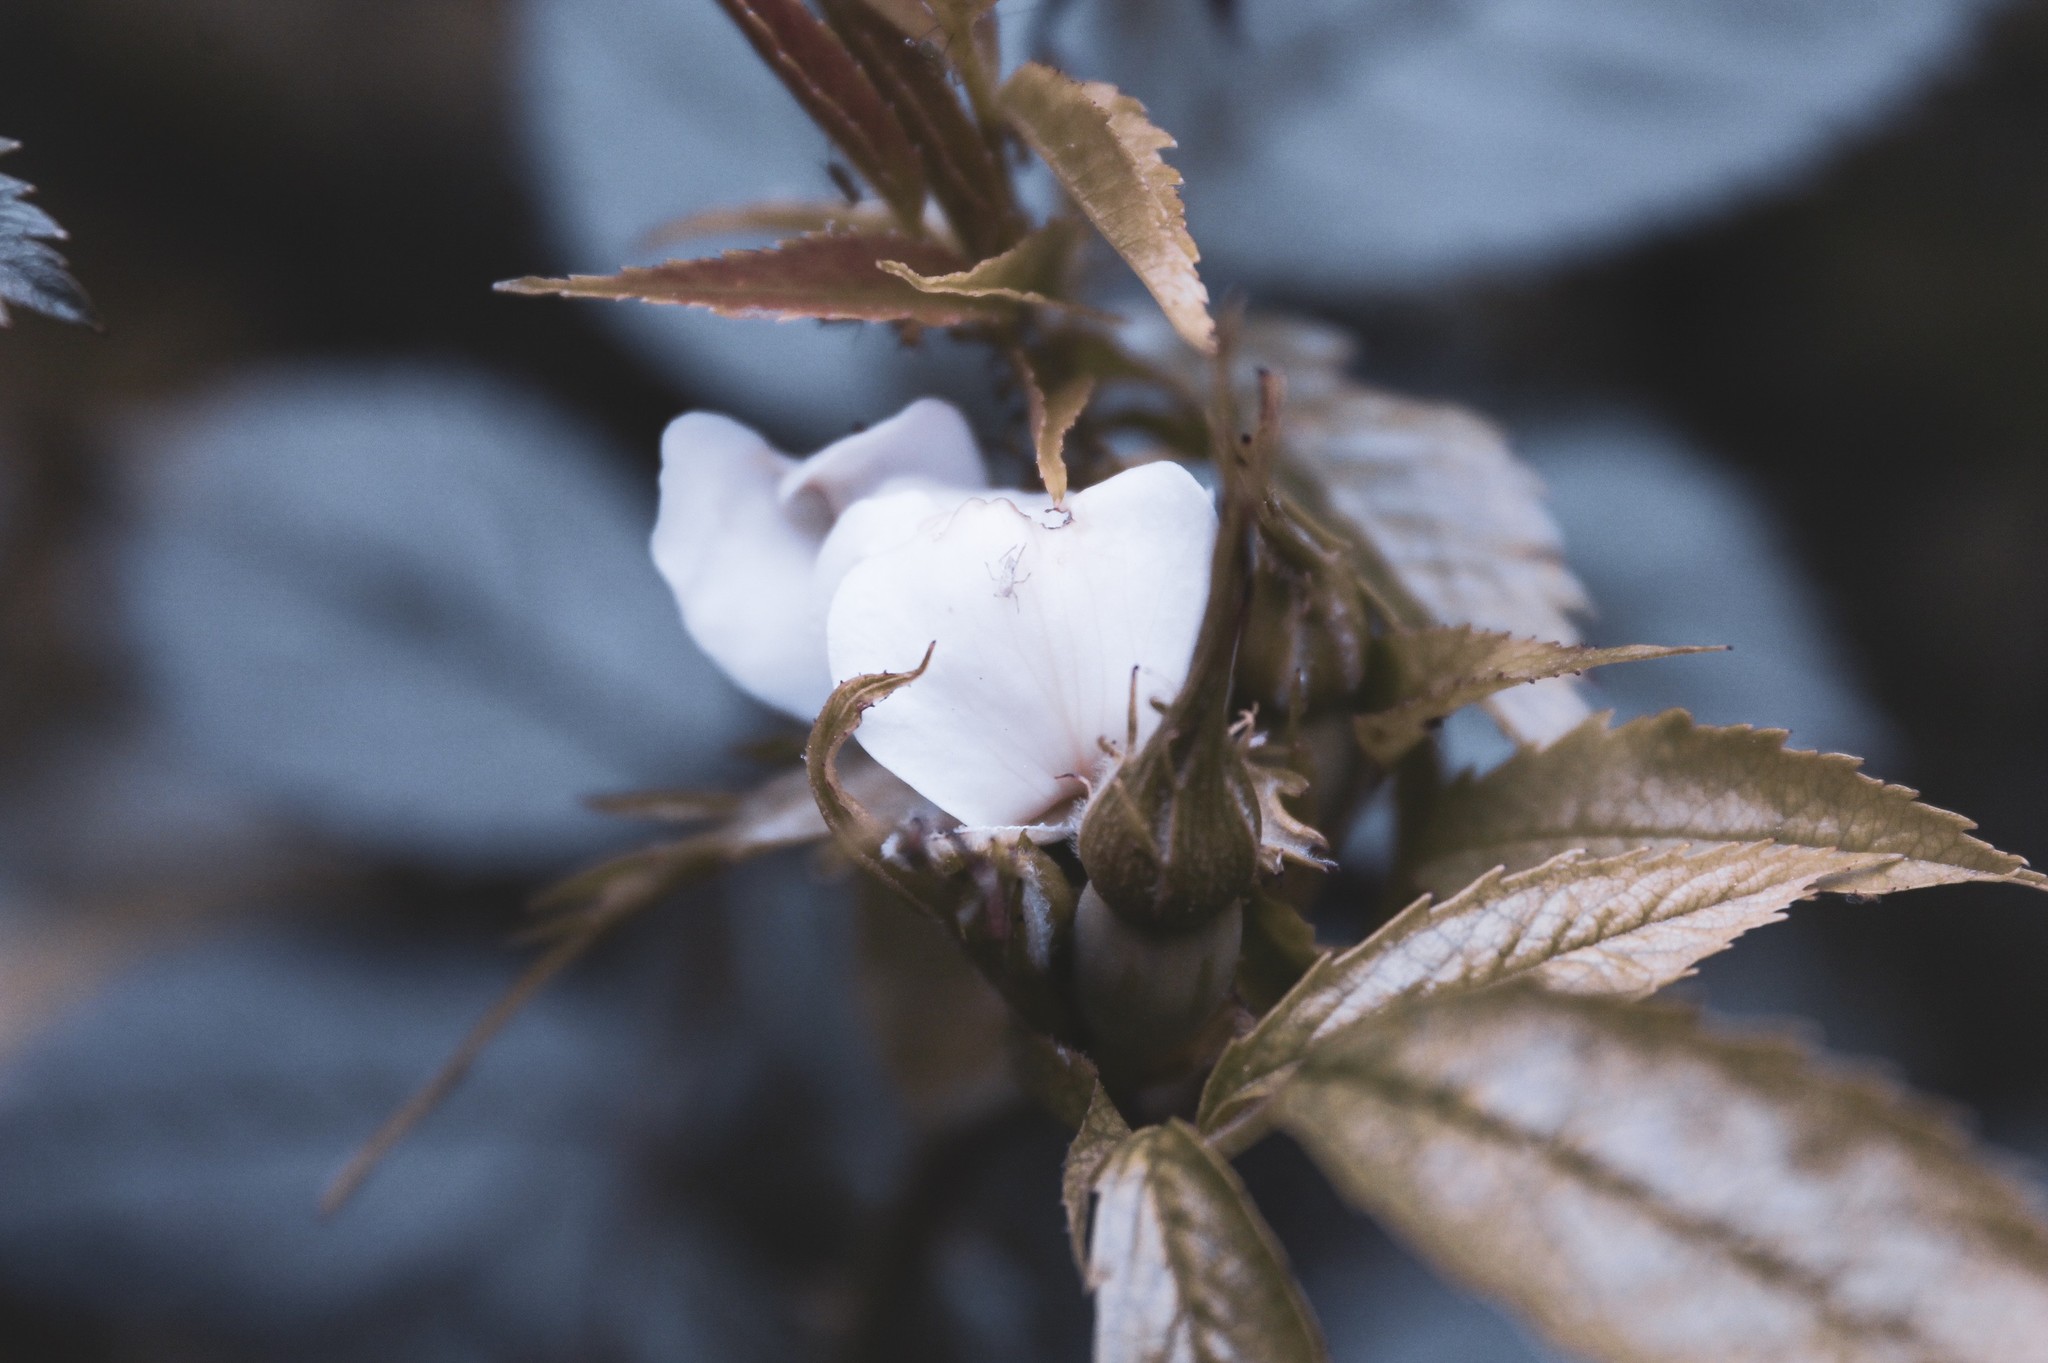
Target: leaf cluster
(1480, 1072)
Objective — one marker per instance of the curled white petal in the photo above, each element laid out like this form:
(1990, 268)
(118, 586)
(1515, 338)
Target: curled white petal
(927, 440)
(742, 524)
(1038, 623)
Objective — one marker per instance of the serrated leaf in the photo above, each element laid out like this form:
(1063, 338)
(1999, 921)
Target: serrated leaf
(1051, 417)
(1645, 1190)
(1105, 152)
(1032, 271)
(833, 276)
(32, 274)
(1452, 526)
(1102, 1130)
(1183, 1268)
(1622, 926)
(1664, 781)
(966, 177)
(1427, 674)
(809, 59)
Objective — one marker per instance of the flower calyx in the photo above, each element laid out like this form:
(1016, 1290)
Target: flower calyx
(1173, 838)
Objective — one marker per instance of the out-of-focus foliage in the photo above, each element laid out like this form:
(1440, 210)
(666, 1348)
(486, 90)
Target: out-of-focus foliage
(395, 606)
(32, 274)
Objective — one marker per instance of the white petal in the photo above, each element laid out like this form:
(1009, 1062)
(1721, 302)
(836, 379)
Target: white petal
(739, 559)
(927, 440)
(1037, 631)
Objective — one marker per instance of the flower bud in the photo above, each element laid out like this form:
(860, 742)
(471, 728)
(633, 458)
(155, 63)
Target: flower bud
(1146, 996)
(1173, 839)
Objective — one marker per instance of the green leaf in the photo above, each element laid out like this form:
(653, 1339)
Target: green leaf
(1105, 152)
(1103, 1129)
(1622, 926)
(32, 274)
(834, 276)
(1664, 782)
(815, 66)
(970, 183)
(1183, 1268)
(1426, 674)
(1642, 1189)
(1033, 271)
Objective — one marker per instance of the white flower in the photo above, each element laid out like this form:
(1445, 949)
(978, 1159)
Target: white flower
(793, 576)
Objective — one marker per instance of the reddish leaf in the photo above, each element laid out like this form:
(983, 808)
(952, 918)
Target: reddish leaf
(834, 276)
(966, 178)
(833, 89)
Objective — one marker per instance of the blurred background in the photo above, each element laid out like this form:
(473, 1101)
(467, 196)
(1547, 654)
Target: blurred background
(324, 601)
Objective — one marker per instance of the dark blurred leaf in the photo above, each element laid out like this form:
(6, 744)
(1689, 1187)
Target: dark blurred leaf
(32, 274)
(1279, 947)
(970, 183)
(834, 276)
(1644, 1190)
(1426, 674)
(1103, 1129)
(811, 61)
(1183, 1268)
(1105, 152)
(1663, 782)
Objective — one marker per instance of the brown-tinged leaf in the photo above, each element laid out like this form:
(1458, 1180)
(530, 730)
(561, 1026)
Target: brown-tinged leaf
(1105, 152)
(966, 177)
(856, 830)
(1183, 1268)
(811, 61)
(1451, 527)
(1624, 926)
(1426, 674)
(833, 276)
(776, 218)
(1032, 271)
(1102, 1130)
(1052, 417)
(1644, 1189)
(1665, 781)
